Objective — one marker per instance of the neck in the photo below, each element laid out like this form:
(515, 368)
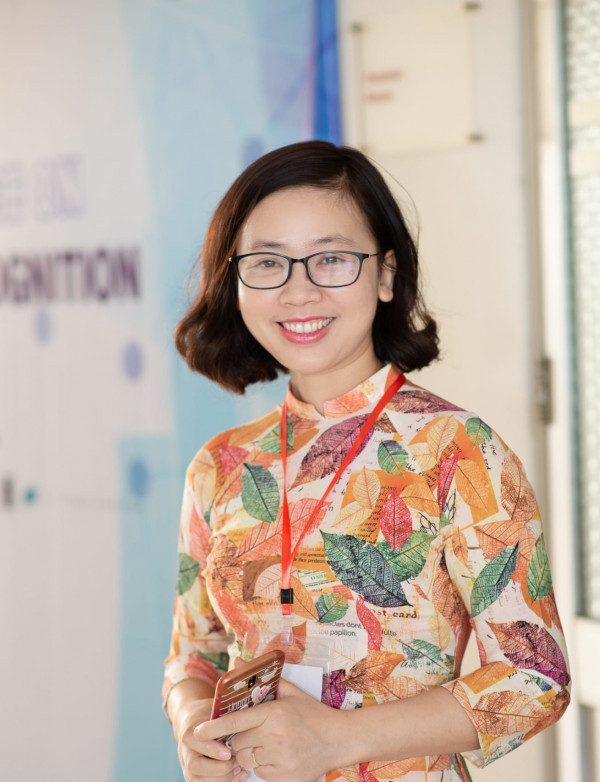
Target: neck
(315, 390)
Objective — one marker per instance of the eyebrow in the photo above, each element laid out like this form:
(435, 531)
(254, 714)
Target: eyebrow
(264, 244)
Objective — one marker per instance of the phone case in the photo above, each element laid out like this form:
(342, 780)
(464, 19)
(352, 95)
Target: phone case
(248, 684)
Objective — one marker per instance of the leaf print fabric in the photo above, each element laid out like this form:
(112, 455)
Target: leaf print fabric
(369, 622)
(529, 646)
(392, 457)
(334, 691)
(432, 532)
(492, 580)
(395, 520)
(260, 493)
(329, 450)
(478, 431)
(331, 607)
(539, 580)
(188, 570)
(363, 568)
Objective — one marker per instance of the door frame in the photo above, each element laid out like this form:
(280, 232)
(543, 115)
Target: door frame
(544, 29)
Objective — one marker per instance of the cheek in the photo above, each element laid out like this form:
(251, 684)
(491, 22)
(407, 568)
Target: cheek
(366, 299)
(244, 302)
(253, 309)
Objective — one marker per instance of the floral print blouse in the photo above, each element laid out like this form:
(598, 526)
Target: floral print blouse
(433, 531)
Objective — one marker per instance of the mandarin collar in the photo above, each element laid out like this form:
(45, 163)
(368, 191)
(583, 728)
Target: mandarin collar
(364, 395)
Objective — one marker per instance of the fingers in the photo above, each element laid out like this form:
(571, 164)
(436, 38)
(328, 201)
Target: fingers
(215, 750)
(250, 757)
(237, 775)
(236, 722)
(210, 748)
(199, 768)
(208, 761)
(245, 745)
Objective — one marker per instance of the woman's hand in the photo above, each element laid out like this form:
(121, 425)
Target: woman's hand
(294, 738)
(203, 760)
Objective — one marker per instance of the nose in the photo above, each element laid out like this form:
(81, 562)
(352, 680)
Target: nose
(299, 289)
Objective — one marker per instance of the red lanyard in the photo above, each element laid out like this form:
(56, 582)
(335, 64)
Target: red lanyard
(287, 553)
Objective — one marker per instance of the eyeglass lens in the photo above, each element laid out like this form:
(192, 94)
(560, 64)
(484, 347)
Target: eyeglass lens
(329, 269)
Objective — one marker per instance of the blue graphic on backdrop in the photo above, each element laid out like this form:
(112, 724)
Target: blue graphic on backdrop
(139, 478)
(30, 495)
(43, 325)
(133, 361)
(327, 115)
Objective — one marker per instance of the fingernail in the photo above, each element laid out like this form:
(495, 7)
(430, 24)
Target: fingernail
(224, 754)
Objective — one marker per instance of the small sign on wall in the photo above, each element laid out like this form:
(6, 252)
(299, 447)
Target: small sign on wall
(416, 75)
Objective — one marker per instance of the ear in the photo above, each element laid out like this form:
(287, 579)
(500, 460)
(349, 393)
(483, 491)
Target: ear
(387, 271)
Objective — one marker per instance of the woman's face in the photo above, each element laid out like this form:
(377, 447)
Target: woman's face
(322, 334)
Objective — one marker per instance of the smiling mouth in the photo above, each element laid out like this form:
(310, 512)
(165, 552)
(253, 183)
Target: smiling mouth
(308, 327)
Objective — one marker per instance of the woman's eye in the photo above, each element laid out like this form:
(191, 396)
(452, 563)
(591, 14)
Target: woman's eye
(268, 263)
(331, 260)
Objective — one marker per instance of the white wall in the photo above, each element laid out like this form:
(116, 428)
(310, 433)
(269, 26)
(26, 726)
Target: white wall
(472, 206)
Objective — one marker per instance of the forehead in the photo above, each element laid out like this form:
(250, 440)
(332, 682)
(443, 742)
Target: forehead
(304, 215)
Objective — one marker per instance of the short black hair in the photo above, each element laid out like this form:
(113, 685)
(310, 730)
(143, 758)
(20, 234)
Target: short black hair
(213, 338)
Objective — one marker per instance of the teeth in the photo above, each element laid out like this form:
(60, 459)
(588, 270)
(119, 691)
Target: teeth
(308, 327)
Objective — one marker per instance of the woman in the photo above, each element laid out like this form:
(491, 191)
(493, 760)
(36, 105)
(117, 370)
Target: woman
(365, 525)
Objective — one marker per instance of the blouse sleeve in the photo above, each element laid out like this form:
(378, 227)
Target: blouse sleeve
(496, 560)
(198, 640)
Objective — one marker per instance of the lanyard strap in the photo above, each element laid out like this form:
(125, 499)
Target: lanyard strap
(287, 553)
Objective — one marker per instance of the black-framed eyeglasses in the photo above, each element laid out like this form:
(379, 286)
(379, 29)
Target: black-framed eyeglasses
(328, 269)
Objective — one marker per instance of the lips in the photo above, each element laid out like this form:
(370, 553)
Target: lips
(306, 327)
(305, 332)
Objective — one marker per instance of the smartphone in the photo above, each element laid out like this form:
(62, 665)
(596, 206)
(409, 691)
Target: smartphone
(248, 684)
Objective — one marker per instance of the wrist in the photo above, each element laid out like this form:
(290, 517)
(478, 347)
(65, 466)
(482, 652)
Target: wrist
(189, 715)
(364, 734)
(350, 744)
(189, 703)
